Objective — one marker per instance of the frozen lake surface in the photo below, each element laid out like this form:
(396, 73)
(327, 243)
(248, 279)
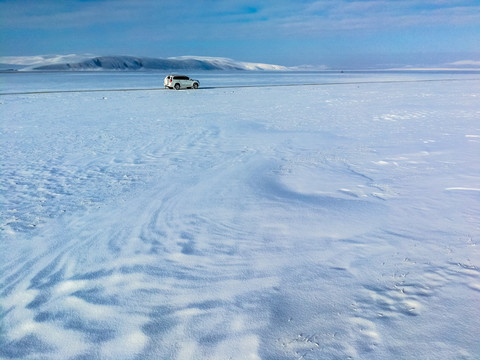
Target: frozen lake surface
(66, 81)
(305, 222)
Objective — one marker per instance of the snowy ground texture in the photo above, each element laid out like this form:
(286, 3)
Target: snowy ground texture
(305, 222)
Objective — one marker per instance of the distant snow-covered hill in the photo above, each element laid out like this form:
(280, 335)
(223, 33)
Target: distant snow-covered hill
(71, 63)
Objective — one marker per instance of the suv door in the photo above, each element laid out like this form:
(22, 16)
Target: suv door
(184, 81)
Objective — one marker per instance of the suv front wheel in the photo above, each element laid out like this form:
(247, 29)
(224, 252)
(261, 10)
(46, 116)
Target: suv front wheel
(195, 86)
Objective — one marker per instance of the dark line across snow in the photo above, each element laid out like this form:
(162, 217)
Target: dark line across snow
(234, 86)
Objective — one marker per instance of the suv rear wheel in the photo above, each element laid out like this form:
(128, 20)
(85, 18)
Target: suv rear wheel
(177, 86)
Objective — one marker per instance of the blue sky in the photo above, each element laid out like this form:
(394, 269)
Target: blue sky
(335, 33)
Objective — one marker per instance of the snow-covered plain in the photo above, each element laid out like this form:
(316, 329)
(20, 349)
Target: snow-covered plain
(286, 222)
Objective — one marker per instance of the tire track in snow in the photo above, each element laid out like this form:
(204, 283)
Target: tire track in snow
(158, 242)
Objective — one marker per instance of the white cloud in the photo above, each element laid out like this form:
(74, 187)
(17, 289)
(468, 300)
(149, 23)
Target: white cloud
(465, 63)
(327, 15)
(303, 16)
(68, 14)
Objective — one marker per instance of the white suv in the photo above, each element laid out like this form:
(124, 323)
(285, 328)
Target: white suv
(178, 82)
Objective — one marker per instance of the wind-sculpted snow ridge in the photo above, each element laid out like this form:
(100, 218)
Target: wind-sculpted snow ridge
(338, 222)
(173, 64)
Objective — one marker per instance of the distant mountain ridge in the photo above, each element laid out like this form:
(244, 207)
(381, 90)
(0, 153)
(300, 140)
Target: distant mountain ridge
(91, 62)
(131, 63)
